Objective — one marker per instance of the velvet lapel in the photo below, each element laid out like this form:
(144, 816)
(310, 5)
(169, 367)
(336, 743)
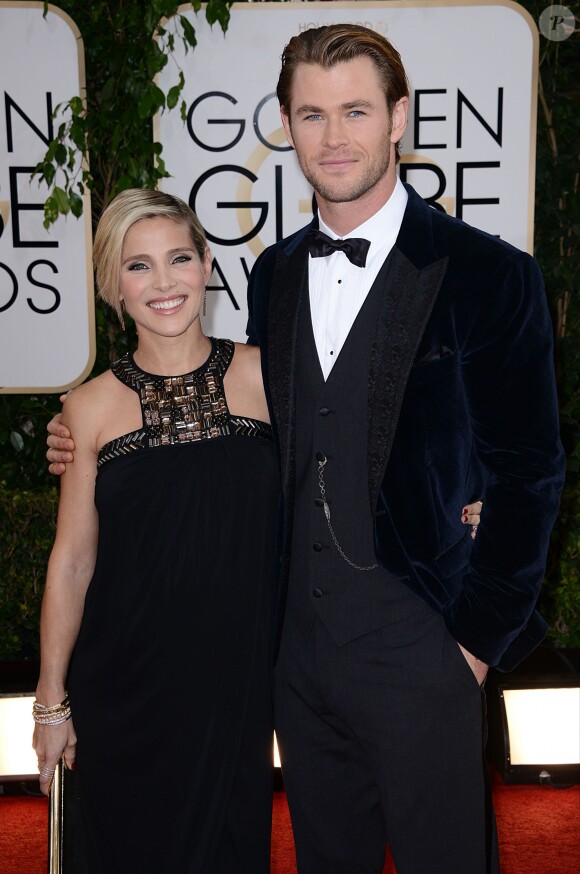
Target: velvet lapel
(409, 297)
(289, 283)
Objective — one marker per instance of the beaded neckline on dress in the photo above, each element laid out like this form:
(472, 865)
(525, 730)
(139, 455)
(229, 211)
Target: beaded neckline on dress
(180, 409)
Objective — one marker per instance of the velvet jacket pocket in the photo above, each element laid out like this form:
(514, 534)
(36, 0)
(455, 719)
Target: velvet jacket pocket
(428, 369)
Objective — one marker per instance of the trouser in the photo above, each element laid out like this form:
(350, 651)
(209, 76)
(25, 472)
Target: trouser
(381, 741)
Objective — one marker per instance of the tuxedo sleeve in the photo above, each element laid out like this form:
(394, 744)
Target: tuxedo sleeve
(251, 336)
(258, 293)
(508, 377)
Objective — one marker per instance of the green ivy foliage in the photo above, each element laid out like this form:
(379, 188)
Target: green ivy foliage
(26, 536)
(23, 421)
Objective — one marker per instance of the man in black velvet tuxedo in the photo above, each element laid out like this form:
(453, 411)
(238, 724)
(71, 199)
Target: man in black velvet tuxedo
(399, 391)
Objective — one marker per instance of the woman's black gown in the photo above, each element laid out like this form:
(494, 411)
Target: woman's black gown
(170, 676)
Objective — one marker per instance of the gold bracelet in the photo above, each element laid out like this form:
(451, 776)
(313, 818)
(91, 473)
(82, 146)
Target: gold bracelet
(55, 715)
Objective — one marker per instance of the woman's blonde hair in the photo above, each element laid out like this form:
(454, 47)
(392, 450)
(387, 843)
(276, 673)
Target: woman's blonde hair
(121, 214)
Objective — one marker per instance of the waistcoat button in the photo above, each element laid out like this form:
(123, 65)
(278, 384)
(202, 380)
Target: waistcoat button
(319, 502)
(320, 456)
(317, 593)
(324, 411)
(317, 547)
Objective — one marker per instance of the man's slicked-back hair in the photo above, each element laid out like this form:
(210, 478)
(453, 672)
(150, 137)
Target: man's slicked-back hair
(336, 44)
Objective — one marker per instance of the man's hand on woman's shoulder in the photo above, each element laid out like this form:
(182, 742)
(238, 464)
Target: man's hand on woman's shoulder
(60, 445)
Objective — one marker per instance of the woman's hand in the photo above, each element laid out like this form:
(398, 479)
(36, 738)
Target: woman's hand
(51, 743)
(471, 515)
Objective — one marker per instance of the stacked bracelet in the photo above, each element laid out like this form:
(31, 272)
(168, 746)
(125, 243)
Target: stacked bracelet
(55, 715)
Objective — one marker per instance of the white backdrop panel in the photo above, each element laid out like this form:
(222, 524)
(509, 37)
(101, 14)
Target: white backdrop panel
(46, 281)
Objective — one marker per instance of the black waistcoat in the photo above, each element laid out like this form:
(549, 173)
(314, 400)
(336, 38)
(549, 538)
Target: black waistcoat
(332, 419)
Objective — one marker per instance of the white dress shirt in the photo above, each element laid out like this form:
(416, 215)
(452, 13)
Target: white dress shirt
(338, 289)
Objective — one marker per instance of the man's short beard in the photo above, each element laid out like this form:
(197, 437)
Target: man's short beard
(328, 191)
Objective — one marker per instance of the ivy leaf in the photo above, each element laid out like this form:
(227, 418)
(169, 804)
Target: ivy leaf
(162, 61)
(161, 171)
(109, 89)
(17, 441)
(76, 106)
(152, 100)
(50, 211)
(49, 156)
(77, 134)
(211, 12)
(76, 205)
(218, 11)
(189, 36)
(134, 168)
(173, 93)
(48, 173)
(173, 96)
(61, 200)
(123, 183)
(144, 107)
(60, 154)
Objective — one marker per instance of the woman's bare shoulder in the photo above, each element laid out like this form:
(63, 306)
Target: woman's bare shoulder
(247, 356)
(90, 392)
(86, 404)
(244, 386)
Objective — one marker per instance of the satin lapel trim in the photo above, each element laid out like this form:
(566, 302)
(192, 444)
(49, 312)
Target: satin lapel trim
(410, 295)
(289, 281)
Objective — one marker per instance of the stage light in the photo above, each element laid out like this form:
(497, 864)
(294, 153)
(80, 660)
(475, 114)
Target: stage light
(541, 727)
(17, 758)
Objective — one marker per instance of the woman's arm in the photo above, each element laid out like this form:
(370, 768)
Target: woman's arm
(69, 572)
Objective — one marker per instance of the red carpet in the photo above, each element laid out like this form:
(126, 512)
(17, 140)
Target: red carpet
(23, 835)
(539, 832)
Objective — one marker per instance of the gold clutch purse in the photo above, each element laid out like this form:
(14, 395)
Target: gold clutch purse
(55, 821)
(66, 852)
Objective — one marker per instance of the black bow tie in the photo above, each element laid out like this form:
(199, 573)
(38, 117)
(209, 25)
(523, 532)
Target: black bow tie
(355, 248)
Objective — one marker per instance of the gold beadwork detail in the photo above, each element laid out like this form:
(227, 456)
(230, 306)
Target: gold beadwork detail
(180, 409)
(183, 408)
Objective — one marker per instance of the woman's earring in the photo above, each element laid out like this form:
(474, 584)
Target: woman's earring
(120, 314)
(204, 300)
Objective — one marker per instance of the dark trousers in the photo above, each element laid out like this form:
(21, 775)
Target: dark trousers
(381, 740)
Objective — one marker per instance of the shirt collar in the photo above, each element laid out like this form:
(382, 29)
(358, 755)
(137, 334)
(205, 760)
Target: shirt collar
(383, 223)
